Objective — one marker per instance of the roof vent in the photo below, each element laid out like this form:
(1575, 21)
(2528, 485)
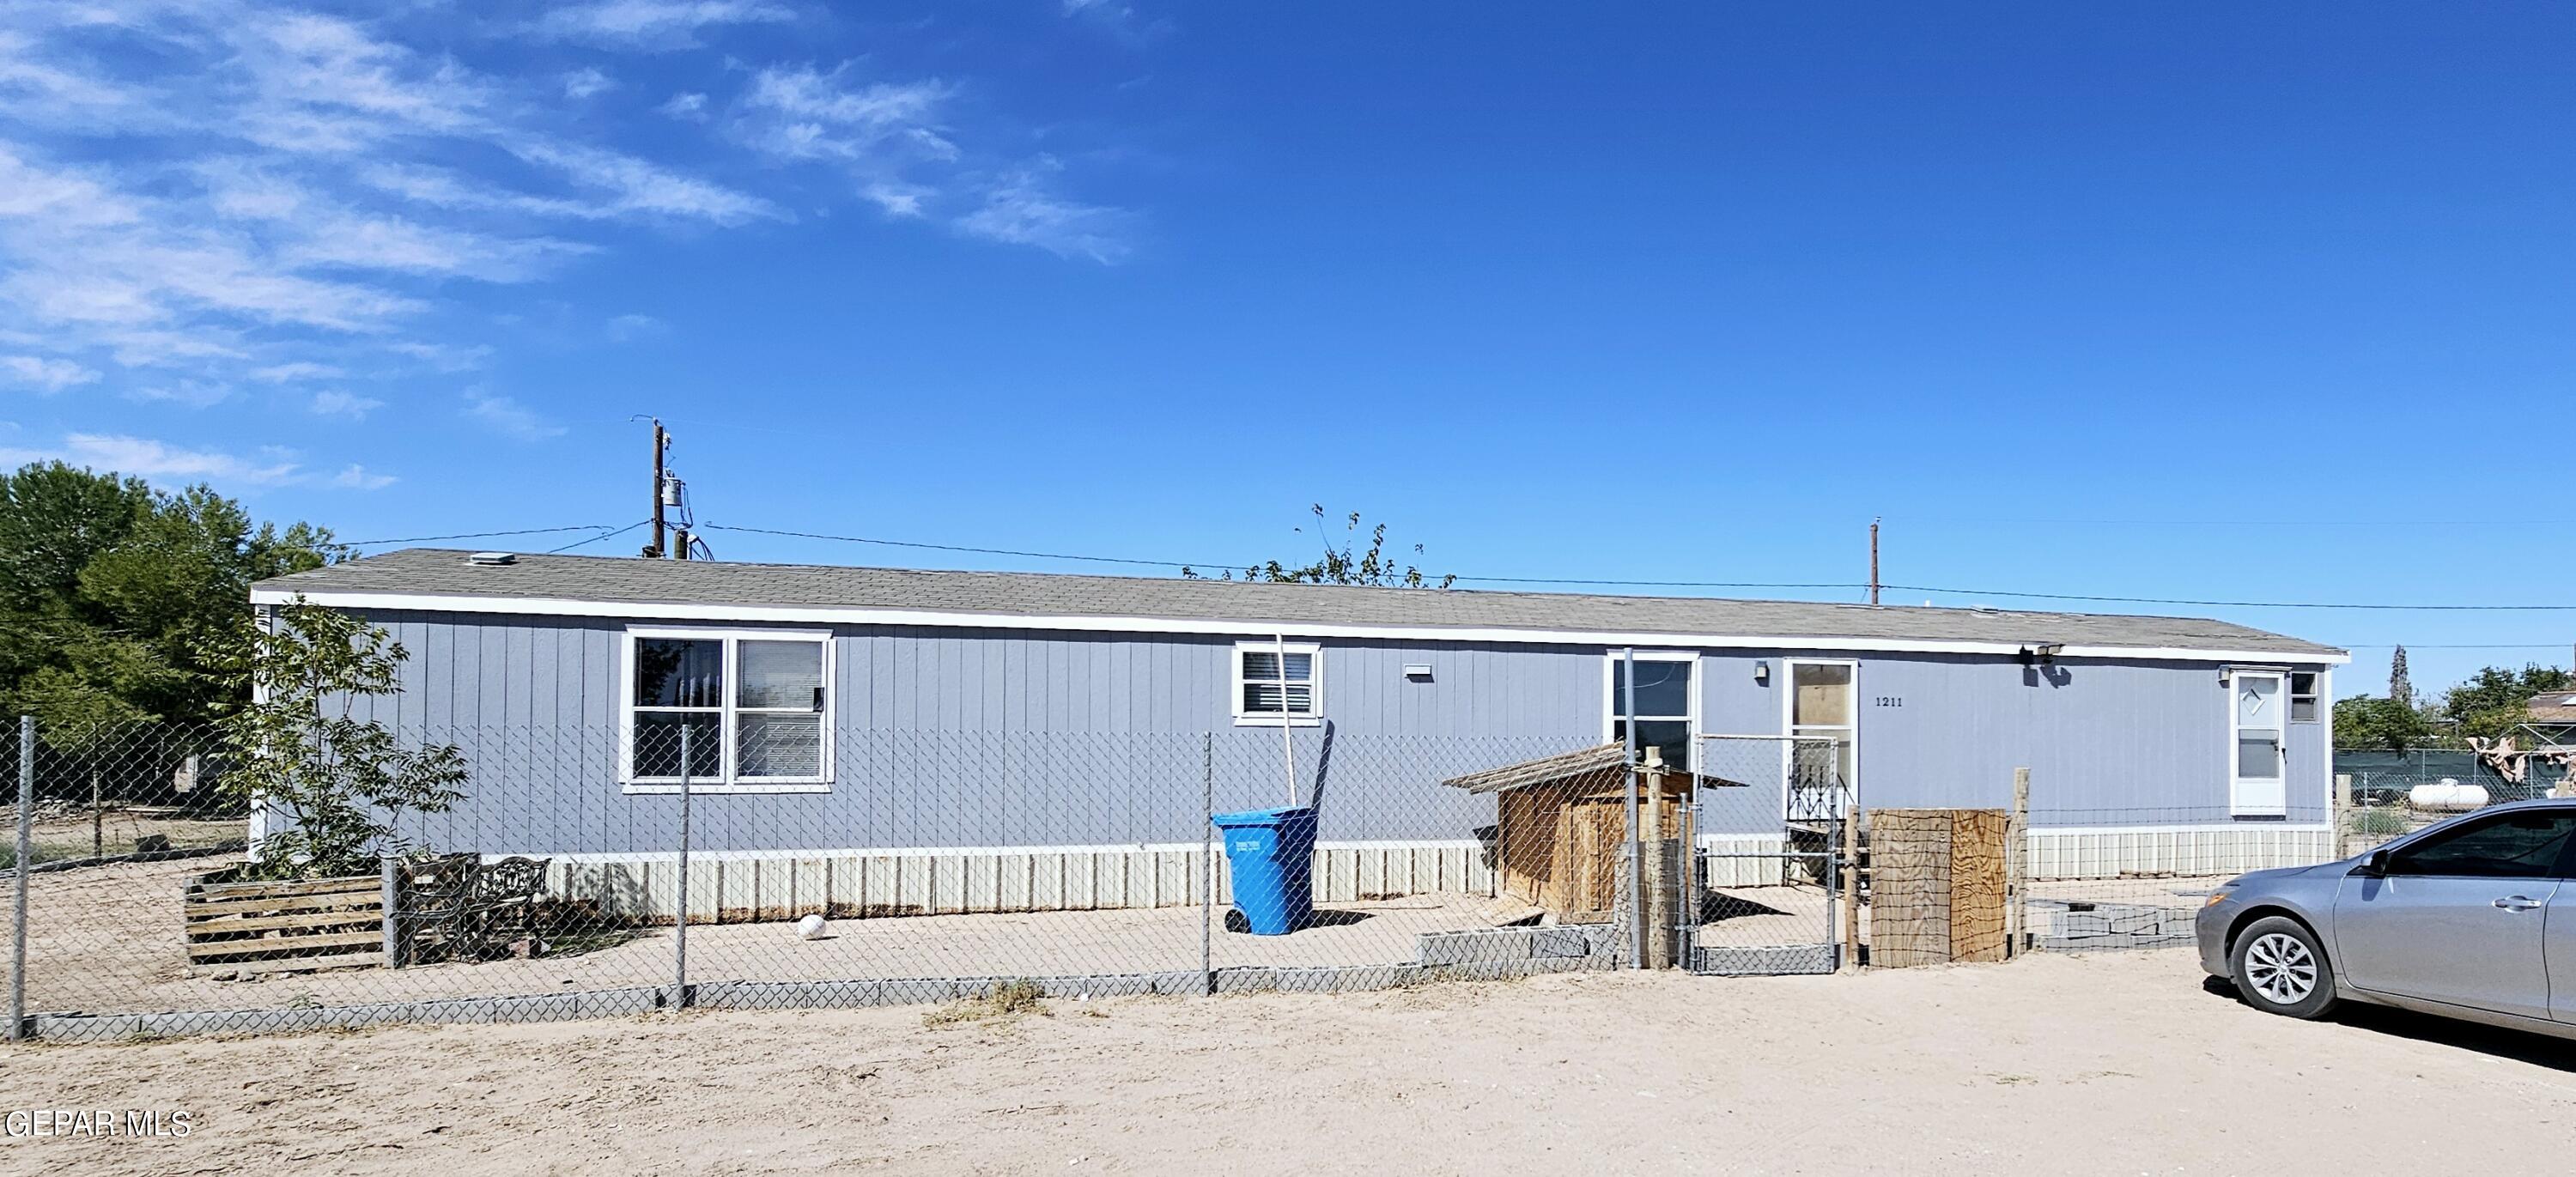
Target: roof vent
(492, 559)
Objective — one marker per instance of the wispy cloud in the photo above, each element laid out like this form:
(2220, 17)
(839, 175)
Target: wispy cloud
(193, 394)
(203, 196)
(629, 328)
(356, 477)
(894, 140)
(281, 197)
(587, 83)
(335, 402)
(1022, 209)
(145, 458)
(291, 373)
(509, 418)
(687, 107)
(663, 24)
(45, 375)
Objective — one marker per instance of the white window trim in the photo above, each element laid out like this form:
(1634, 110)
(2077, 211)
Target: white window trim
(2237, 806)
(1314, 716)
(1610, 696)
(2317, 697)
(630, 783)
(1789, 726)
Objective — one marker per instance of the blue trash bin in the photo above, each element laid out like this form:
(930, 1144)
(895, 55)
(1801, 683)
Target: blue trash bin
(1272, 856)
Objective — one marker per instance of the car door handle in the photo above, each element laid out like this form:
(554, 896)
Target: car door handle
(2517, 903)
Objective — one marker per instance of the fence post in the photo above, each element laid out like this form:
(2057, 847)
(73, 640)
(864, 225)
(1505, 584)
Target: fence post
(1634, 882)
(26, 851)
(1851, 881)
(1207, 863)
(2335, 811)
(389, 890)
(680, 922)
(2017, 866)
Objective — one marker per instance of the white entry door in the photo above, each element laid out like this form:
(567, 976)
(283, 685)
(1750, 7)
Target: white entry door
(2259, 763)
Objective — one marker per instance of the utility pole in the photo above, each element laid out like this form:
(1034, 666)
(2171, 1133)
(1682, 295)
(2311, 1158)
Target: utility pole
(661, 443)
(1873, 559)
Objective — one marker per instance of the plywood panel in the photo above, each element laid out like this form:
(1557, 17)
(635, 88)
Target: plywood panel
(1977, 878)
(1910, 875)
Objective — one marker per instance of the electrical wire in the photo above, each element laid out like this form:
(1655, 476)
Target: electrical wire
(596, 538)
(898, 543)
(1917, 588)
(1726, 584)
(422, 539)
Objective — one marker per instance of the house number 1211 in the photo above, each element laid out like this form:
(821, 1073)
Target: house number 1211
(1890, 701)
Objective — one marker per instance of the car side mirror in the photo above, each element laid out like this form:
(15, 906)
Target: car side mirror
(2374, 866)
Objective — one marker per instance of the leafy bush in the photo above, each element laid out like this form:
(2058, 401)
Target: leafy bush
(333, 784)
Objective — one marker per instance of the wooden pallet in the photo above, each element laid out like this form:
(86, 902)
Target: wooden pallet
(242, 926)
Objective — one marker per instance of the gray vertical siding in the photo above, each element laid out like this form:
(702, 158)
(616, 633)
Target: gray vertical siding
(2107, 743)
(956, 737)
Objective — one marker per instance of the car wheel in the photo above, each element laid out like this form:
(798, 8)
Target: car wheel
(2280, 969)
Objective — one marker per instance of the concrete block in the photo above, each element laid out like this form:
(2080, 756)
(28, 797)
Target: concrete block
(1576, 940)
(1247, 979)
(1098, 985)
(1452, 948)
(1775, 961)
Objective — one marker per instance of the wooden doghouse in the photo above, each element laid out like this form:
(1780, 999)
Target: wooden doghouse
(1561, 820)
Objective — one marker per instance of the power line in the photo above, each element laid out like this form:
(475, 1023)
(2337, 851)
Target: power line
(1917, 588)
(422, 539)
(2454, 646)
(898, 543)
(1724, 584)
(580, 543)
(2070, 522)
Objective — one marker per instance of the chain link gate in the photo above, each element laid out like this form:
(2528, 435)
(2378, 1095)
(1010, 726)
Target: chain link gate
(1765, 890)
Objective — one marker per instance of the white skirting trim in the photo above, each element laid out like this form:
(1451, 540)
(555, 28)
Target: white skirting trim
(2179, 850)
(764, 885)
(756, 885)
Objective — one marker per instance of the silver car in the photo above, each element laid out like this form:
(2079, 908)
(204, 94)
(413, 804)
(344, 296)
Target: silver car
(2472, 919)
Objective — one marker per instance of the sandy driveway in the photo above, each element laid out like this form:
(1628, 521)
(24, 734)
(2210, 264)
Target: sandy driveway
(2111, 1063)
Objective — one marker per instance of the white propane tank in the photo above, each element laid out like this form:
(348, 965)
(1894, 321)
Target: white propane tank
(2447, 795)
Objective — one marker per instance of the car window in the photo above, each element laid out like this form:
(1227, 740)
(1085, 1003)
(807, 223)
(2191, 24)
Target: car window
(2510, 846)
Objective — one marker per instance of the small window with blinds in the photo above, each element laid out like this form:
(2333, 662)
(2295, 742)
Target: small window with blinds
(1276, 683)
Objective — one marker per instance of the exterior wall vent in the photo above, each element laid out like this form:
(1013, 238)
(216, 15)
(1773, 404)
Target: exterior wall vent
(492, 559)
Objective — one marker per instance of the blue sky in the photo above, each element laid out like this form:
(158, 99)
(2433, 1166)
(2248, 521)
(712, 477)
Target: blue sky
(2263, 303)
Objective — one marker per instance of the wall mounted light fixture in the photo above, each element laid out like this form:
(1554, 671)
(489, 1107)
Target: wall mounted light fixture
(1762, 673)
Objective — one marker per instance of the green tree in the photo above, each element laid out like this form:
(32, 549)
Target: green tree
(2400, 686)
(1342, 560)
(2496, 700)
(2370, 722)
(335, 786)
(110, 592)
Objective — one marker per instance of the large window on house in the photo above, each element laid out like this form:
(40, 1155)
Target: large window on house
(1663, 709)
(757, 707)
(1278, 682)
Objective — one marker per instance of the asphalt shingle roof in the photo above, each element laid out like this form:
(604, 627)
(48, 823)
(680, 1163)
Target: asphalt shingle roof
(632, 580)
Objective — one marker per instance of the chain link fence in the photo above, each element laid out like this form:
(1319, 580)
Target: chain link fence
(1770, 821)
(590, 871)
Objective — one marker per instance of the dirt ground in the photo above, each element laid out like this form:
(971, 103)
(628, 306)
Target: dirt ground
(106, 939)
(2053, 1064)
(54, 836)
